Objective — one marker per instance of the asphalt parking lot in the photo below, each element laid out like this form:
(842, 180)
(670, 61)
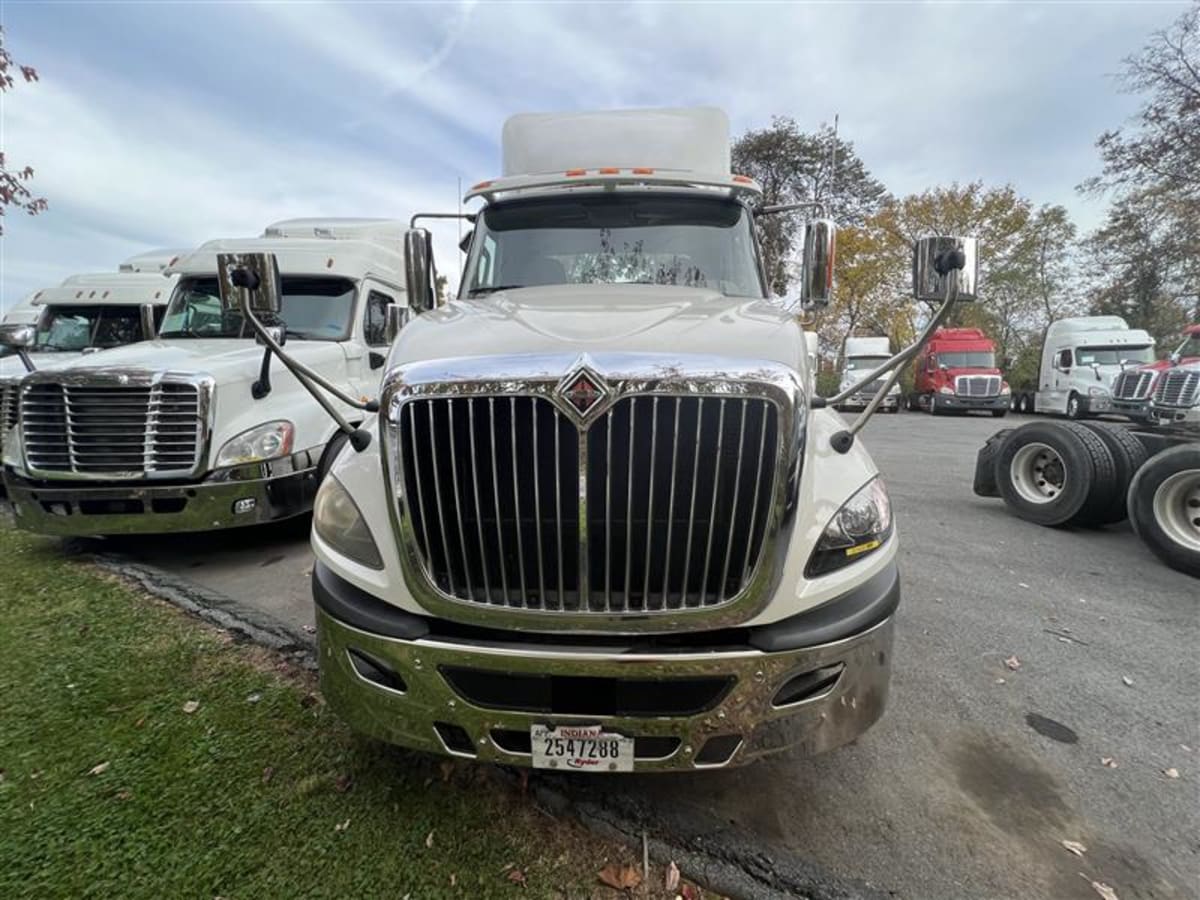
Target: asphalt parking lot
(1025, 656)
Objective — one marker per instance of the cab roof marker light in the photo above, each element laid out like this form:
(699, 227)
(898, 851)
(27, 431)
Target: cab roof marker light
(481, 186)
(642, 170)
(575, 173)
(608, 170)
(743, 179)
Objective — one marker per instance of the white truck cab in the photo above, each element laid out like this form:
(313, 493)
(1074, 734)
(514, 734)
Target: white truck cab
(1081, 356)
(600, 521)
(84, 315)
(862, 354)
(202, 428)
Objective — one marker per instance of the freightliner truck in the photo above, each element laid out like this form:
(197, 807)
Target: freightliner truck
(202, 428)
(600, 521)
(956, 372)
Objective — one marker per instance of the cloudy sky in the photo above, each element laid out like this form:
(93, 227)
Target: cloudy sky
(165, 124)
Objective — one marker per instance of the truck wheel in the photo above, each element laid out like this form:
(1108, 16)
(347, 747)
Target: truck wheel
(985, 465)
(999, 413)
(1027, 404)
(1128, 455)
(1164, 506)
(933, 407)
(911, 402)
(1055, 473)
(1074, 407)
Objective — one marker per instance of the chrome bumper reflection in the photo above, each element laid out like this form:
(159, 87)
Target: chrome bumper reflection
(402, 696)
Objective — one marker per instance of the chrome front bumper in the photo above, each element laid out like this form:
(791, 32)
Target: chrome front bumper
(77, 509)
(409, 692)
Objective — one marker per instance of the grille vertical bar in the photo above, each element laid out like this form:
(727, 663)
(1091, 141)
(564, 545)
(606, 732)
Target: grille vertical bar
(1178, 388)
(661, 503)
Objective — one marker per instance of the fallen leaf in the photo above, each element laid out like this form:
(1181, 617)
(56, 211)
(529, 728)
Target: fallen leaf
(429, 841)
(1127, 681)
(343, 783)
(453, 879)
(1171, 773)
(1013, 663)
(620, 877)
(310, 629)
(268, 774)
(124, 794)
(447, 768)
(1104, 890)
(1075, 847)
(1108, 762)
(1001, 681)
(191, 706)
(516, 876)
(98, 769)
(254, 698)
(672, 882)
(342, 826)
(140, 722)
(688, 892)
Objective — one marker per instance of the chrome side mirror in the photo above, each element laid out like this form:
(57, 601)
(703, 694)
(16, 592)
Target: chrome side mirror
(397, 318)
(18, 336)
(418, 269)
(149, 327)
(935, 258)
(816, 286)
(249, 277)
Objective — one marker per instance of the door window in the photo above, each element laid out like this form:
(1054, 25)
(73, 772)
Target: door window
(1064, 359)
(375, 319)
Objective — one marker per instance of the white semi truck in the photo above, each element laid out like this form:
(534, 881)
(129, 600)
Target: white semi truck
(1081, 356)
(862, 354)
(202, 427)
(600, 521)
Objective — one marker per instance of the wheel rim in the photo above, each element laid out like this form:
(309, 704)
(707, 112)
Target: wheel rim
(1037, 473)
(1073, 407)
(1177, 508)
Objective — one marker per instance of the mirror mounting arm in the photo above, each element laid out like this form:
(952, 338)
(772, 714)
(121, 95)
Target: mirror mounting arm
(262, 387)
(23, 356)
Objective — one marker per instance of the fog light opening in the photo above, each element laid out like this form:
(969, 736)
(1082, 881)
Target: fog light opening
(717, 751)
(454, 739)
(245, 505)
(378, 673)
(808, 686)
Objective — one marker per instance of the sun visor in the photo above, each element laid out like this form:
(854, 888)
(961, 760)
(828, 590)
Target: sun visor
(693, 139)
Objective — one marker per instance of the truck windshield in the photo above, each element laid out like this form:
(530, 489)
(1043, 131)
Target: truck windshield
(865, 363)
(82, 327)
(967, 359)
(314, 308)
(615, 238)
(1113, 356)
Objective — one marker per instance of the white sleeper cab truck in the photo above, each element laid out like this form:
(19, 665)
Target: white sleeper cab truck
(86, 314)
(862, 354)
(1081, 356)
(600, 521)
(203, 427)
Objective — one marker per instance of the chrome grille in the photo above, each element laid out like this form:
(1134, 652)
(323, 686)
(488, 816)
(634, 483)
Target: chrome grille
(977, 385)
(1177, 387)
(870, 390)
(8, 408)
(1132, 385)
(109, 429)
(676, 499)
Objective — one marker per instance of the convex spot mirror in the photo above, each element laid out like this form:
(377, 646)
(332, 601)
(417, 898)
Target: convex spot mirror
(250, 278)
(932, 257)
(418, 269)
(816, 287)
(18, 336)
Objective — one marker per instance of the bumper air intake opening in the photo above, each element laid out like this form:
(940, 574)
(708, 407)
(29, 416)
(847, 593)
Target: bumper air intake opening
(454, 739)
(168, 504)
(647, 747)
(373, 670)
(111, 507)
(808, 685)
(584, 696)
(718, 750)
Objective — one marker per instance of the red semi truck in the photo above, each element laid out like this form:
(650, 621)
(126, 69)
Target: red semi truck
(956, 372)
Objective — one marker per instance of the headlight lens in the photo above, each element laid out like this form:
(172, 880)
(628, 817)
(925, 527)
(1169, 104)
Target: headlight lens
(1097, 392)
(338, 522)
(268, 441)
(1005, 390)
(861, 526)
(945, 390)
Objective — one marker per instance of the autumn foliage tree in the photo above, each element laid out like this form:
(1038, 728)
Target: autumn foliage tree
(14, 183)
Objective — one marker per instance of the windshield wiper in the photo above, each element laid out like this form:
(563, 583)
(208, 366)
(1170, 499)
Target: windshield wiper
(493, 288)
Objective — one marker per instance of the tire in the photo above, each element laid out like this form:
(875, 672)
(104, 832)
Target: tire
(1055, 473)
(985, 465)
(1027, 404)
(933, 407)
(1164, 506)
(1074, 407)
(999, 413)
(1128, 455)
(911, 402)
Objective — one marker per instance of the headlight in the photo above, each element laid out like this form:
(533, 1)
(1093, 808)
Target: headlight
(1005, 390)
(269, 441)
(1097, 392)
(338, 522)
(945, 390)
(861, 526)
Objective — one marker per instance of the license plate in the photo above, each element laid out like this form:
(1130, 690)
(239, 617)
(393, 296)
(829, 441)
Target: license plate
(580, 748)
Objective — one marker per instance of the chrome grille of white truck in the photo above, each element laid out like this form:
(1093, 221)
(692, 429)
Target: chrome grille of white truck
(660, 503)
(1178, 388)
(8, 408)
(1132, 385)
(977, 385)
(107, 429)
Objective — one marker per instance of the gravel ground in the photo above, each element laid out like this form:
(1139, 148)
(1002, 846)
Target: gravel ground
(978, 771)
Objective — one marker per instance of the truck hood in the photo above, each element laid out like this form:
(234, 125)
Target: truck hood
(598, 318)
(12, 367)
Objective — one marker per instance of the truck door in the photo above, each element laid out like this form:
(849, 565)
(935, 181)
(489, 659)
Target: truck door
(374, 327)
(1060, 387)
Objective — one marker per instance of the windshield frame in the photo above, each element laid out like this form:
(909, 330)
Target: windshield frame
(96, 313)
(966, 364)
(245, 332)
(481, 232)
(1119, 349)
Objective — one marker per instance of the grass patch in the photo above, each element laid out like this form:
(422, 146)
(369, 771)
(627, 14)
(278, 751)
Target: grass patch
(258, 791)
